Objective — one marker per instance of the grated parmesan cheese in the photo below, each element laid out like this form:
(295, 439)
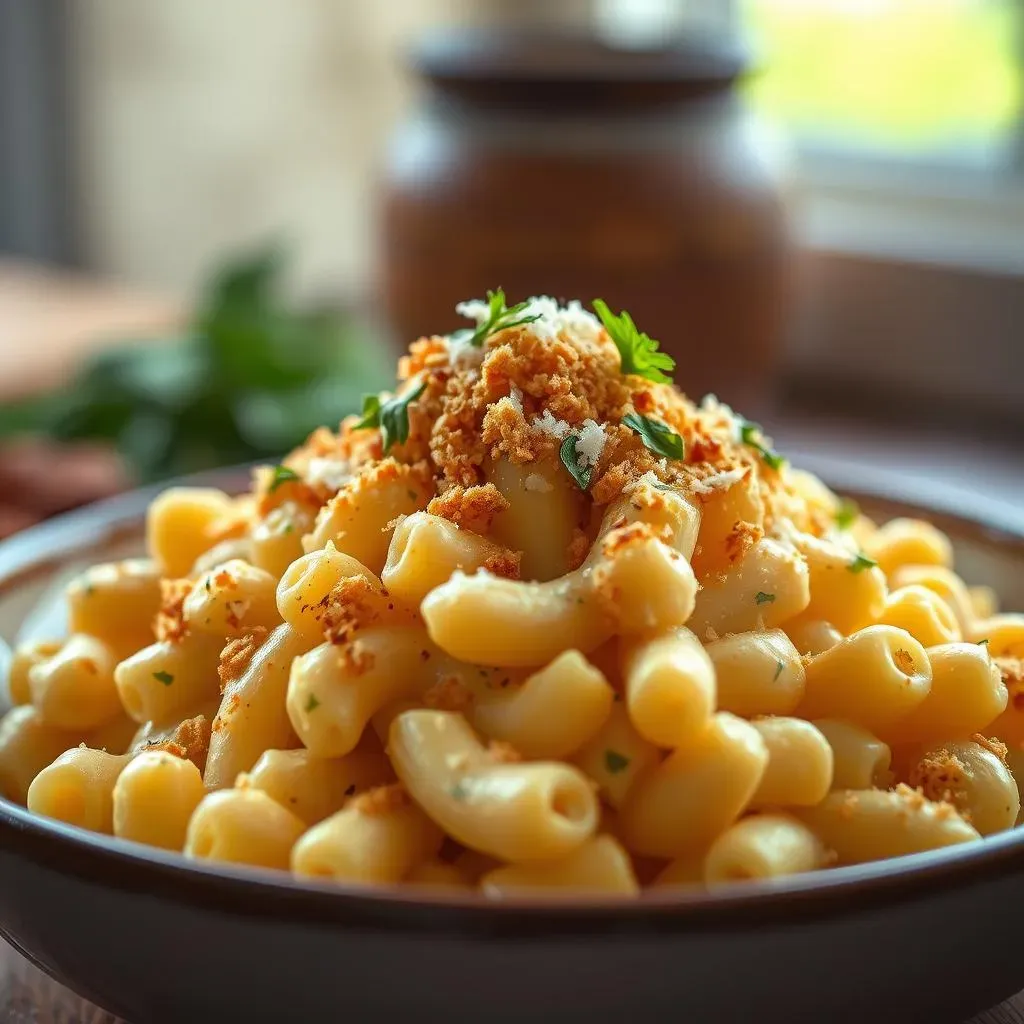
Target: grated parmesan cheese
(724, 417)
(464, 356)
(547, 424)
(590, 443)
(719, 482)
(649, 479)
(535, 482)
(330, 473)
(553, 319)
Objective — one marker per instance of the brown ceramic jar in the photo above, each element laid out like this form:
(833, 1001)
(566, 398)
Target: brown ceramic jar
(558, 165)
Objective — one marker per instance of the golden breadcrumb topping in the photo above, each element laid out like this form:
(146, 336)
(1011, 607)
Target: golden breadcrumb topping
(518, 398)
(237, 654)
(501, 752)
(190, 741)
(449, 694)
(471, 508)
(352, 604)
(380, 801)
(939, 776)
(170, 619)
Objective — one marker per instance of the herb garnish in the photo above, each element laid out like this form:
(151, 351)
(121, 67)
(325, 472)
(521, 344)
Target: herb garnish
(762, 598)
(751, 434)
(779, 666)
(391, 416)
(499, 318)
(985, 641)
(163, 677)
(656, 436)
(312, 703)
(847, 513)
(282, 475)
(615, 762)
(638, 352)
(567, 453)
(862, 562)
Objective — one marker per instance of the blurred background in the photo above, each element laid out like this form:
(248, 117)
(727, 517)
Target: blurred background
(218, 222)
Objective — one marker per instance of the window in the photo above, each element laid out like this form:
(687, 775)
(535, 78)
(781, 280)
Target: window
(900, 77)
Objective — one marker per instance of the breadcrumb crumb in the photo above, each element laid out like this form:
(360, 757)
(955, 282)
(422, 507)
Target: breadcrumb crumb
(170, 619)
(380, 801)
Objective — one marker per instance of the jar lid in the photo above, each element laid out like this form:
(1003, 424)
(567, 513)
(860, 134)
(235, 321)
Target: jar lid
(571, 67)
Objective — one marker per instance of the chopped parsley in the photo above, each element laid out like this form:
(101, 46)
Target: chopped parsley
(499, 318)
(985, 642)
(638, 352)
(567, 453)
(282, 475)
(762, 598)
(459, 792)
(289, 528)
(750, 434)
(779, 666)
(847, 513)
(656, 436)
(163, 677)
(862, 562)
(312, 704)
(391, 416)
(615, 762)
(412, 495)
(209, 584)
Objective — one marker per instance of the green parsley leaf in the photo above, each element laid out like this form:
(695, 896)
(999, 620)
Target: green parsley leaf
(847, 513)
(762, 598)
(163, 677)
(371, 413)
(289, 528)
(985, 641)
(779, 666)
(567, 453)
(657, 437)
(282, 475)
(312, 703)
(499, 318)
(459, 792)
(638, 352)
(861, 562)
(750, 434)
(391, 416)
(615, 762)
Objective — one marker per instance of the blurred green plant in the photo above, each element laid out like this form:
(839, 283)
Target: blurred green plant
(250, 379)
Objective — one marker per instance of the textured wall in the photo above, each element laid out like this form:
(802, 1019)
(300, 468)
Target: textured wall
(202, 125)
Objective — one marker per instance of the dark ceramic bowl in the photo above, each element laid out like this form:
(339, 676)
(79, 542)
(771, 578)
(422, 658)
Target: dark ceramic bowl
(155, 939)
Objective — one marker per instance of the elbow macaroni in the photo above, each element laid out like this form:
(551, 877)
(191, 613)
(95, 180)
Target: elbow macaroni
(531, 627)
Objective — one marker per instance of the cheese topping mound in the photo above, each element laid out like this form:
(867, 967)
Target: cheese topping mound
(521, 391)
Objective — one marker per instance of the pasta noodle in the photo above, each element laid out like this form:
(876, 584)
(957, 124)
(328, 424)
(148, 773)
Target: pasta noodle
(535, 624)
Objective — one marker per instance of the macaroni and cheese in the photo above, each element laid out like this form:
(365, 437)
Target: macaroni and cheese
(533, 623)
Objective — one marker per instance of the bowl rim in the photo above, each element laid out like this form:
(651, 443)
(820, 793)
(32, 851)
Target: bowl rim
(258, 893)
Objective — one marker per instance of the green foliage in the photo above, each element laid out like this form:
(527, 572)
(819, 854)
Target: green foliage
(250, 379)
